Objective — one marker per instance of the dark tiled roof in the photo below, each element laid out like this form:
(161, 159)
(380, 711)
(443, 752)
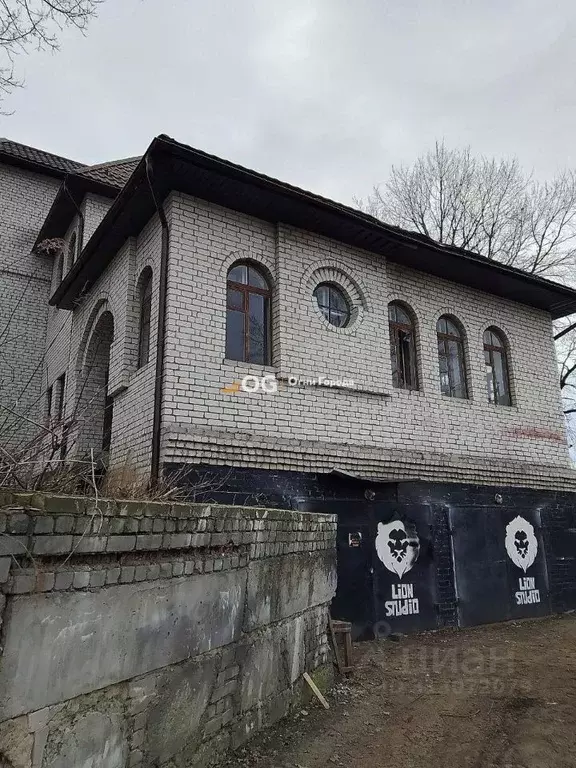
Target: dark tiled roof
(37, 157)
(116, 173)
(218, 181)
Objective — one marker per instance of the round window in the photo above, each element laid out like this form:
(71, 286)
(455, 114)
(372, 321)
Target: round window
(333, 304)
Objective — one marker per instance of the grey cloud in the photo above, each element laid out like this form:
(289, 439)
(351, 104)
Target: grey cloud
(322, 93)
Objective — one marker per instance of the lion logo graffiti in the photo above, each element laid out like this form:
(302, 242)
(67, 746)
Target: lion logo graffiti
(397, 546)
(521, 543)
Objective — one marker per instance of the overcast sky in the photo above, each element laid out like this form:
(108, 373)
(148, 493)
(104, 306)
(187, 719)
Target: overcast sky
(325, 94)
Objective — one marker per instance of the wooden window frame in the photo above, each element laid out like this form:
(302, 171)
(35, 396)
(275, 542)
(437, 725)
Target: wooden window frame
(333, 287)
(245, 289)
(501, 348)
(394, 328)
(450, 337)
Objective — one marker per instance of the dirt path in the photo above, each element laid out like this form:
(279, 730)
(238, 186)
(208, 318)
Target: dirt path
(501, 696)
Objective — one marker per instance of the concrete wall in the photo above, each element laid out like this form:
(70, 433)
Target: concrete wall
(25, 198)
(154, 634)
(375, 431)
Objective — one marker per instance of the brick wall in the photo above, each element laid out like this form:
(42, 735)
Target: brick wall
(377, 431)
(116, 292)
(154, 633)
(374, 431)
(25, 199)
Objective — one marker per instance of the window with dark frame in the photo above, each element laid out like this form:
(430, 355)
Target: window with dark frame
(49, 393)
(451, 358)
(247, 315)
(60, 392)
(496, 359)
(145, 314)
(402, 347)
(333, 304)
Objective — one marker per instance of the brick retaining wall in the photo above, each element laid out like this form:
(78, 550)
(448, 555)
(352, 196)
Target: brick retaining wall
(147, 633)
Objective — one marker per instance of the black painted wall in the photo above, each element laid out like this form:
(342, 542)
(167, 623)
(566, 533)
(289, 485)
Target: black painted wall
(452, 507)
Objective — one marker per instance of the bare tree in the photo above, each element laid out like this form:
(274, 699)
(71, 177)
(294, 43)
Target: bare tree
(29, 24)
(484, 205)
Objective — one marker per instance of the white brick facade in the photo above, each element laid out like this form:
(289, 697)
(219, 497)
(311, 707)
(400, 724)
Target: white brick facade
(377, 431)
(25, 198)
(372, 430)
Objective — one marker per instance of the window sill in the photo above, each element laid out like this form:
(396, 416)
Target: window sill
(249, 366)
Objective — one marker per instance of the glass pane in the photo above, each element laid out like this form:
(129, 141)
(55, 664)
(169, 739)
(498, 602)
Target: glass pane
(501, 379)
(234, 335)
(239, 274)
(402, 316)
(489, 377)
(337, 318)
(406, 359)
(337, 300)
(235, 299)
(322, 296)
(147, 289)
(256, 279)
(487, 338)
(441, 325)
(444, 376)
(257, 328)
(392, 316)
(396, 382)
(497, 340)
(452, 329)
(455, 369)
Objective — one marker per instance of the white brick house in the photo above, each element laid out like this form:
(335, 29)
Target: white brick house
(178, 221)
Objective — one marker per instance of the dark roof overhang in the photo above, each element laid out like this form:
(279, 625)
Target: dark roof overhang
(181, 168)
(66, 203)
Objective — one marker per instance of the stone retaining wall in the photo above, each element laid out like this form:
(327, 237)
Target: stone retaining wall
(153, 634)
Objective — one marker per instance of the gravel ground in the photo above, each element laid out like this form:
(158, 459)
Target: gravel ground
(497, 696)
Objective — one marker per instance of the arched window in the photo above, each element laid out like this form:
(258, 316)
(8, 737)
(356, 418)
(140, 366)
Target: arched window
(145, 311)
(451, 358)
(497, 379)
(402, 347)
(71, 253)
(247, 315)
(333, 304)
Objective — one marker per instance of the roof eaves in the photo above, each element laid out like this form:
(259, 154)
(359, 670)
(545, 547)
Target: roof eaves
(565, 297)
(71, 193)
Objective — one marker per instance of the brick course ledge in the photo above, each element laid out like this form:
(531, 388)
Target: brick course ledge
(50, 542)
